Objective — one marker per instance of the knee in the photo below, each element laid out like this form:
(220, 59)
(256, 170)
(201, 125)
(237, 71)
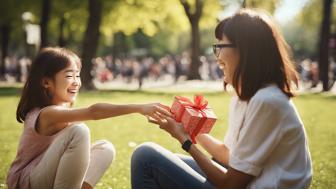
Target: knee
(79, 132)
(106, 150)
(80, 129)
(145, 152)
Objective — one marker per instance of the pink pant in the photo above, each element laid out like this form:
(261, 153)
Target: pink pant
(70, 161)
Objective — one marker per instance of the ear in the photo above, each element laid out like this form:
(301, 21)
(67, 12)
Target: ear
(46, 83)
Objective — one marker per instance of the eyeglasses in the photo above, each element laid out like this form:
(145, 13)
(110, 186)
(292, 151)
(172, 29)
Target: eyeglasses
(217, 47)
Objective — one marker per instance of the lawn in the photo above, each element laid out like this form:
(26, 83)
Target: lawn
(316, 110)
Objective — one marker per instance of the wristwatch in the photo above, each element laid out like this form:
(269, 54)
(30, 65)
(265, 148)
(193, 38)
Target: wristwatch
(186, 145)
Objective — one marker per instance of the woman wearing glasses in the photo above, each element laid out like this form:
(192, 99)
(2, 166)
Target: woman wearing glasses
(265, 145)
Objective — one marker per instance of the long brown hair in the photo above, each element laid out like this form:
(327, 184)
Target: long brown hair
(46, 64)
(264, 54)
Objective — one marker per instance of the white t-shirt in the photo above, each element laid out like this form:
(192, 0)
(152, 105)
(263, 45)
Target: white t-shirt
(266, 139)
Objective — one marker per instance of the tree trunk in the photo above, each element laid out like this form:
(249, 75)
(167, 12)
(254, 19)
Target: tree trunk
(194, 19)
(90, 43)
(61, 38)
(243, 4)
(5, 31)
(46, 6)
(324, 45)
(115, 47)
(195, 51)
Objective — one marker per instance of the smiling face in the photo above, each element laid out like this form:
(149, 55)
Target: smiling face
(64, 87)
(228, 60)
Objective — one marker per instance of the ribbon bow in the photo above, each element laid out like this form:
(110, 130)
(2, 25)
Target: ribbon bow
(199, 102)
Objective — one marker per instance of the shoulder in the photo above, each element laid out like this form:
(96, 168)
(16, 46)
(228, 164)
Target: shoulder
(270, 97)
(33, 114)
(44, 126)
(32, 117)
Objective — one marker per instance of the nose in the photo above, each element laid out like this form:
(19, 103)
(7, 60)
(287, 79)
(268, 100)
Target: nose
(76, 81)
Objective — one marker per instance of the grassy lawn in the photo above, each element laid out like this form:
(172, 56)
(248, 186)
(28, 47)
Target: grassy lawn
(316, 110)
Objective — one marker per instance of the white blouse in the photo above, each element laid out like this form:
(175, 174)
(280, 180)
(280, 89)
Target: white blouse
(267, 139)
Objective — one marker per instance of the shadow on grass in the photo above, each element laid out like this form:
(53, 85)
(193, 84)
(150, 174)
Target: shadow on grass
(10, 91)
(319, 95)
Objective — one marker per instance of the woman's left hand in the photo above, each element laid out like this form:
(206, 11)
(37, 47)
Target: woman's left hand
(155, 109)
(168, 124)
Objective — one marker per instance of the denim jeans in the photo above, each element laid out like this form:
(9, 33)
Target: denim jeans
(153, 166)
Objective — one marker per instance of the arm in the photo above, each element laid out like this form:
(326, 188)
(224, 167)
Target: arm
(220, 178)
(217, 175)
(54, 118)
(215, 148)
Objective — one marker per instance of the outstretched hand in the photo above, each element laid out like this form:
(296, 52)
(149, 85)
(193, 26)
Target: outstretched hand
(155, 109)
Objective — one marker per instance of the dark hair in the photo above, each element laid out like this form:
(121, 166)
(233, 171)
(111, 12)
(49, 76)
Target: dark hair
(46, 64)
(264, 54)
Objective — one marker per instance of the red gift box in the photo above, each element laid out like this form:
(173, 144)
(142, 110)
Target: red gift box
(196, 117)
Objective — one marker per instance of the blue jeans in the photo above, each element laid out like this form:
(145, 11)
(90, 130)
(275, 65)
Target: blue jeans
(153, 166)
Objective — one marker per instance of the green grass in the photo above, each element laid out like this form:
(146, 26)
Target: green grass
(316, 110)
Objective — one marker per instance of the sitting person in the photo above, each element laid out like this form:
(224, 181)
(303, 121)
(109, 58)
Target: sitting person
(54, 149)
(265, 145)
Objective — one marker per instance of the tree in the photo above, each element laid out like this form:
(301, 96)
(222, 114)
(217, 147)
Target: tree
(5, 31)
(61, 38)
(324, 44)
(148, 17)
(10, 20)
(200, 15)
(45, 17)
(130, 16)
(90, 41)
(194, 19)
(302, 32)
(67, 18)
(5, 27)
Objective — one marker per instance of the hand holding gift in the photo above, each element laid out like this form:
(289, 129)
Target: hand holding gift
(196, 117)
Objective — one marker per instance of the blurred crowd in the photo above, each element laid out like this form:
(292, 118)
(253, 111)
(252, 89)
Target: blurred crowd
(309, 73)
(167, 67)
(172, 67)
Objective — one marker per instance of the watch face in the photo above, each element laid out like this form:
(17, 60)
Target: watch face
(186, 145)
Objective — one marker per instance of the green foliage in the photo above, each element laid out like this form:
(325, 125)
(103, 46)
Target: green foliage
(75, 14)
(302, 33)
(210, 12)
(11, 15)
(11, 10)
(129, 16)
(163, 22)
(7, 10)
(316, 111)
(269, 5)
